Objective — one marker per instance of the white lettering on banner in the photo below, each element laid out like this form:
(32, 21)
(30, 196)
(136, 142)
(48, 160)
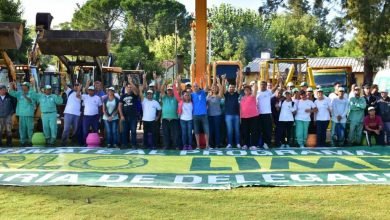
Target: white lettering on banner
(143, 179)
(334, 177)
(284, 152)
(213, 152)
(187, 179)
(70, 178)
(185, 152)
(104, 151)
(156, 152)
(239, 152)
(86, 150)
(218, 179)
(25, 177)
(337, 152)
(38, 151)
(275, 178)
(363, 152)
(45, 178)
(112, 178)
(7, 151)
(387, 174)
(140, 152)
(61, 151)
(364, 177)
(261, 153)
(305, 178)
(241, 180)
(307, 152)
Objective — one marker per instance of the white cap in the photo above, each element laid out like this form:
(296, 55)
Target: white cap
(91, 88)
(371, 108)
(169, 87)
(47, 86)
(188, 84)
(289, 84)
(341, 89)
(111, 88)
(152, 84)
(150, 91)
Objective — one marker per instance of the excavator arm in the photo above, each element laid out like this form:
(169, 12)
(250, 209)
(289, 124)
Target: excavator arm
(10, 65)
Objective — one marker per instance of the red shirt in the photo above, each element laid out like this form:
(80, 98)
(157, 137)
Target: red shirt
(373, 123)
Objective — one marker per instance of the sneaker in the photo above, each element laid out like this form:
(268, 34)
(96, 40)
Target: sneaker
(281, 146)
(108, 145)
(265, 146)
(238, 146)
(189, 147)
(244, 147)
(209, 148)
(185, 147)
(253, 148)
(229, 146)
(197, 148)
(115, 146)
(287, 146)
(301, 146)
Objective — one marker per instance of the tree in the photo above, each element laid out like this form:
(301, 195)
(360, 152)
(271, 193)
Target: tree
(157, 17)
(163, 47)
(11, 11)
(371, 18)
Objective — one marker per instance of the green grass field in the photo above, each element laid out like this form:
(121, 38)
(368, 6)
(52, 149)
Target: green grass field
(337, 202)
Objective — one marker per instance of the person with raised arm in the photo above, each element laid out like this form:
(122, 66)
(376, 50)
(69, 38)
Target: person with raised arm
(170, 122)
(214, 112)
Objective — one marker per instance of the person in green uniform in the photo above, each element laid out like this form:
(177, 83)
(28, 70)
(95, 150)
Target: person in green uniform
(357, 105)
(25, 109)
(48, 103)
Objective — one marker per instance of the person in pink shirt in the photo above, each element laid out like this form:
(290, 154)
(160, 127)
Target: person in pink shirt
(249, 114)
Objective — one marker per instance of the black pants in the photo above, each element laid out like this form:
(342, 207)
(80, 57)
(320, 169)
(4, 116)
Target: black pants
(249, 128)
(150, 132)
(378, 138)
(283, 133)
(170, 129)
(265, 123)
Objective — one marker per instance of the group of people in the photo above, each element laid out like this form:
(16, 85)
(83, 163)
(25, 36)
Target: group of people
(227, 113)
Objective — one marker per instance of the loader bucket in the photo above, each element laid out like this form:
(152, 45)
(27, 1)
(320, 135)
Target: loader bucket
(83, 43)
(11, 35)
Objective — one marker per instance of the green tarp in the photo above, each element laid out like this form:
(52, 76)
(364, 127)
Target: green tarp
(196, 169)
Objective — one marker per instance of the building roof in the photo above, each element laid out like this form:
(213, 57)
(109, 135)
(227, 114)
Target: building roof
(356, 63)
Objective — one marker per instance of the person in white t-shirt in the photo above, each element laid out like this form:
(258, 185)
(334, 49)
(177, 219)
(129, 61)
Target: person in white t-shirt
(285, 121)
(71, 113)
(322, 117)
(265, 118)
(340, 107)
(334, 94)
(151, 114)
(302, 119)
(92, 111)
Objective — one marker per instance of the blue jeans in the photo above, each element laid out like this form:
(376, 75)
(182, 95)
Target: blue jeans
(338, 129)
(129, 125)
(233, 127)
(70, 121)
(186, 132)
(90, 121)
(111, 128)
(321, 132)
(215, 130)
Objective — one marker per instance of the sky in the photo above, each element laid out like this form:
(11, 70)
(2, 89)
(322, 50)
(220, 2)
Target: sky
(62, 10)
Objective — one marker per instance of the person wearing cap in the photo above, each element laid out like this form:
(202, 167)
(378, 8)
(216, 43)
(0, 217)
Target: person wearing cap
(128, 112)
(304, 86)
(154, 86)
(25, 109)
(92, 111)
(111, 118)
(290, 86)
(6, 111)
(265, 118)
(352, 91)
(383, 109)
(151, 114)
(170, 119)
(48, 104)
(340, 109)
(232, 111)
(249, 115)
(322, 117)
(357, 104)
(302, 119)
(375, 91)
(295, 94)
(188, 86)
(373, 125)
(200, 119)
(334, 94)
(370, 99)
(285, 120)
(72, 113)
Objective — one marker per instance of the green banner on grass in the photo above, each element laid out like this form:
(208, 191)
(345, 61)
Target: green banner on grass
(198, 169)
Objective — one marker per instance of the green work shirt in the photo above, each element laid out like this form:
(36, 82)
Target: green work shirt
(356, 109)
(169, 107)
(48, 103)
(24, 106)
